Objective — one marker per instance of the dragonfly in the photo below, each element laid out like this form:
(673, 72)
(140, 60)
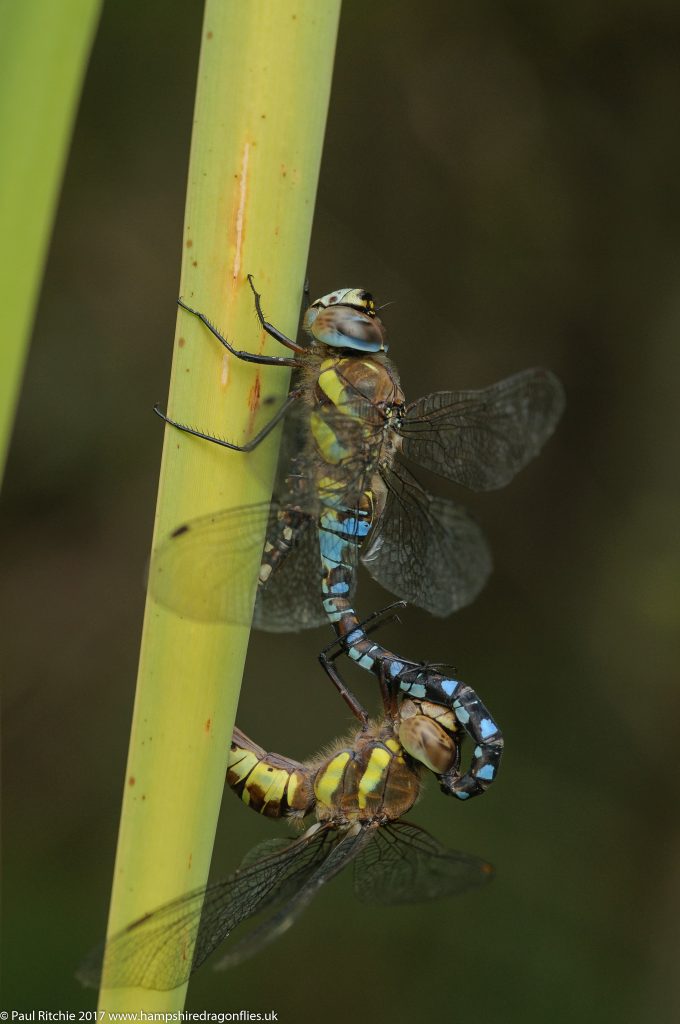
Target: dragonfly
(359, 792)
(345, 495)
(433, 691)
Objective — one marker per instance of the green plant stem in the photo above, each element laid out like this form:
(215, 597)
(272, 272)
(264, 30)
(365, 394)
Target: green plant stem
(44, 47)
(262, 97)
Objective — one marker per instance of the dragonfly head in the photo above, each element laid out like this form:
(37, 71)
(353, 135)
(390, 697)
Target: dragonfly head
(346, 318)
(428, 732)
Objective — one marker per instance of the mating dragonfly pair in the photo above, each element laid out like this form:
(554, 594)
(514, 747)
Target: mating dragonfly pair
(344, 497)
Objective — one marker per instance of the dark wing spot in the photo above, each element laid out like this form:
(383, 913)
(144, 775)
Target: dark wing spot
(180, 530)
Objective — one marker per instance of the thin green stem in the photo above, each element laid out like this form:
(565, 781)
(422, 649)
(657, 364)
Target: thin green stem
(44, 48)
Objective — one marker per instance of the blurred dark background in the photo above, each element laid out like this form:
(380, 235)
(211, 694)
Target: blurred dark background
(507, 175)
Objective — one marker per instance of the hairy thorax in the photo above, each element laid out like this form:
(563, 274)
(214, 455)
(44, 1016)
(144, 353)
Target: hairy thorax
(367, 780)
(354, 402)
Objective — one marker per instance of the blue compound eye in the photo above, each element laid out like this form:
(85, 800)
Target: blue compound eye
(346, 319)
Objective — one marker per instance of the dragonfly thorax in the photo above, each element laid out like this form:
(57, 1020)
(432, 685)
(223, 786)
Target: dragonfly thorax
(346, 318)
(368, 780)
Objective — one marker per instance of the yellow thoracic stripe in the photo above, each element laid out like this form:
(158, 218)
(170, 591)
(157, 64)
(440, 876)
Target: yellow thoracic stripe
(327, 440)
(333, 386)
(328, 781)
(374, 774)
(330, 383)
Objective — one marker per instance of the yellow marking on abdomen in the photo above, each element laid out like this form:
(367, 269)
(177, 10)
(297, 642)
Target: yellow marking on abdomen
(293, 783)
(374, 774)
(241, 763)
(330, 778)
(267, 783)
(277, 789)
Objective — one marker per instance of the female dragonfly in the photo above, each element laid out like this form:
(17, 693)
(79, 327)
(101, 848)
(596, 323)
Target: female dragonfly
(358, 792)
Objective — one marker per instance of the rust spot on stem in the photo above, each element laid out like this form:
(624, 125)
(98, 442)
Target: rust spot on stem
(254, 393)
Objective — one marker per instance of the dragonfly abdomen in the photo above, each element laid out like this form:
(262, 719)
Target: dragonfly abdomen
(289, 522)
(272, 785)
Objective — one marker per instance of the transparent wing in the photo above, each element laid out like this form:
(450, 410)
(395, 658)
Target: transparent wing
(207, 568)
(405, 864)
(155, 951)
(426, 549)
(341, 854)
(204, 569)
(291, 599)
(481, 439)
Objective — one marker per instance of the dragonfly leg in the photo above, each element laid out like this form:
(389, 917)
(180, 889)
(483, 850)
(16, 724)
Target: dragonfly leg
(374, 621)
(249, 445)
(272, 331)
(350, 700)
(369, 625)
(248, 357)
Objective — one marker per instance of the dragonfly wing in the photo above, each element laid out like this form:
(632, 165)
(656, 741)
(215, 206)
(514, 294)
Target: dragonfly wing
(426, 549)
(207, 570)
(161, 949)
(481, 439)
(405, 864)
(291, 599)
(339, 857)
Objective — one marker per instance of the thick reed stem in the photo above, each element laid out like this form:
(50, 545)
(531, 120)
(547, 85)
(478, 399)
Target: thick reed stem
(263, 88)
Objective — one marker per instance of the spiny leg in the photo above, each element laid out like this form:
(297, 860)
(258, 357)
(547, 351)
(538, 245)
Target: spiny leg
(248, 357)
(328, 664)
(249, 445)
(374, 621)
(272, 331)
(350, 700)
